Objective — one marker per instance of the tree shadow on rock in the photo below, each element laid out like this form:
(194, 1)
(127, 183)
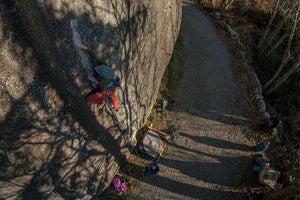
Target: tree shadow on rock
(50, 135)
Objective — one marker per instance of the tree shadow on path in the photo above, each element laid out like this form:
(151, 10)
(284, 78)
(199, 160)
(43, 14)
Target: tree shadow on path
(173, 187)
(219, 143)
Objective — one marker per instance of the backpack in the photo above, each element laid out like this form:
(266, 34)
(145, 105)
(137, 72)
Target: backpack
(119, 183)
(115, 83)
(149, 170)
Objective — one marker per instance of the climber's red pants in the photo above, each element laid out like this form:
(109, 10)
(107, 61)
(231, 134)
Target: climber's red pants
(97, 97)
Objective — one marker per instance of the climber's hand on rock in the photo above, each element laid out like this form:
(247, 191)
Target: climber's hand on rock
(93, 79)
(81, 46)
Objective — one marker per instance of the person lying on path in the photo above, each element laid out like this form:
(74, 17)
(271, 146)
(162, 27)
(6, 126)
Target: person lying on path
(103, 78)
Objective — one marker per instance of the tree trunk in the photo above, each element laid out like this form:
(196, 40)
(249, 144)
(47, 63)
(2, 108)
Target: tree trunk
(269, 25)
(276, 45)
(283, 63)
(228, 4)
(284, 77)
(287, 55)
(272, 35)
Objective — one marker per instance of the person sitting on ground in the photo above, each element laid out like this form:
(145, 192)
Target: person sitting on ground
(103, 78)
(152, 168)
(268, 124)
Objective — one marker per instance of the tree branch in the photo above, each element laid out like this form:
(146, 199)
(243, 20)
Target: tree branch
(284, 77)
(269, 25)
(287, 55)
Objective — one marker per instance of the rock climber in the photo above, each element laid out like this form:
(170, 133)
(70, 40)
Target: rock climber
(103, 81)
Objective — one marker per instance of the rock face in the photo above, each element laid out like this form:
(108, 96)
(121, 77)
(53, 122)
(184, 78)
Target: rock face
(52, 144)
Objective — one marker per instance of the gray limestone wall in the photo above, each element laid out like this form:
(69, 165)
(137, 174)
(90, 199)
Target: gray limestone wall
(53, 145)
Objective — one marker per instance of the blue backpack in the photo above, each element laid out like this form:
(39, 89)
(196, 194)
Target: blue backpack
(149, 168)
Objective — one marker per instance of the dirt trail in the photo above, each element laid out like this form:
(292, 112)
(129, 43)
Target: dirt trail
(211, 158)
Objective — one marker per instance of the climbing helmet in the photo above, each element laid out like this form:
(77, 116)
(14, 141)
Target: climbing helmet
(105, 71)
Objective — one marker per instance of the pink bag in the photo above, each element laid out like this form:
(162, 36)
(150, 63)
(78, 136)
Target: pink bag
(119, 183)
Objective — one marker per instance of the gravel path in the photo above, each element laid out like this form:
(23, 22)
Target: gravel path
(211, 157)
